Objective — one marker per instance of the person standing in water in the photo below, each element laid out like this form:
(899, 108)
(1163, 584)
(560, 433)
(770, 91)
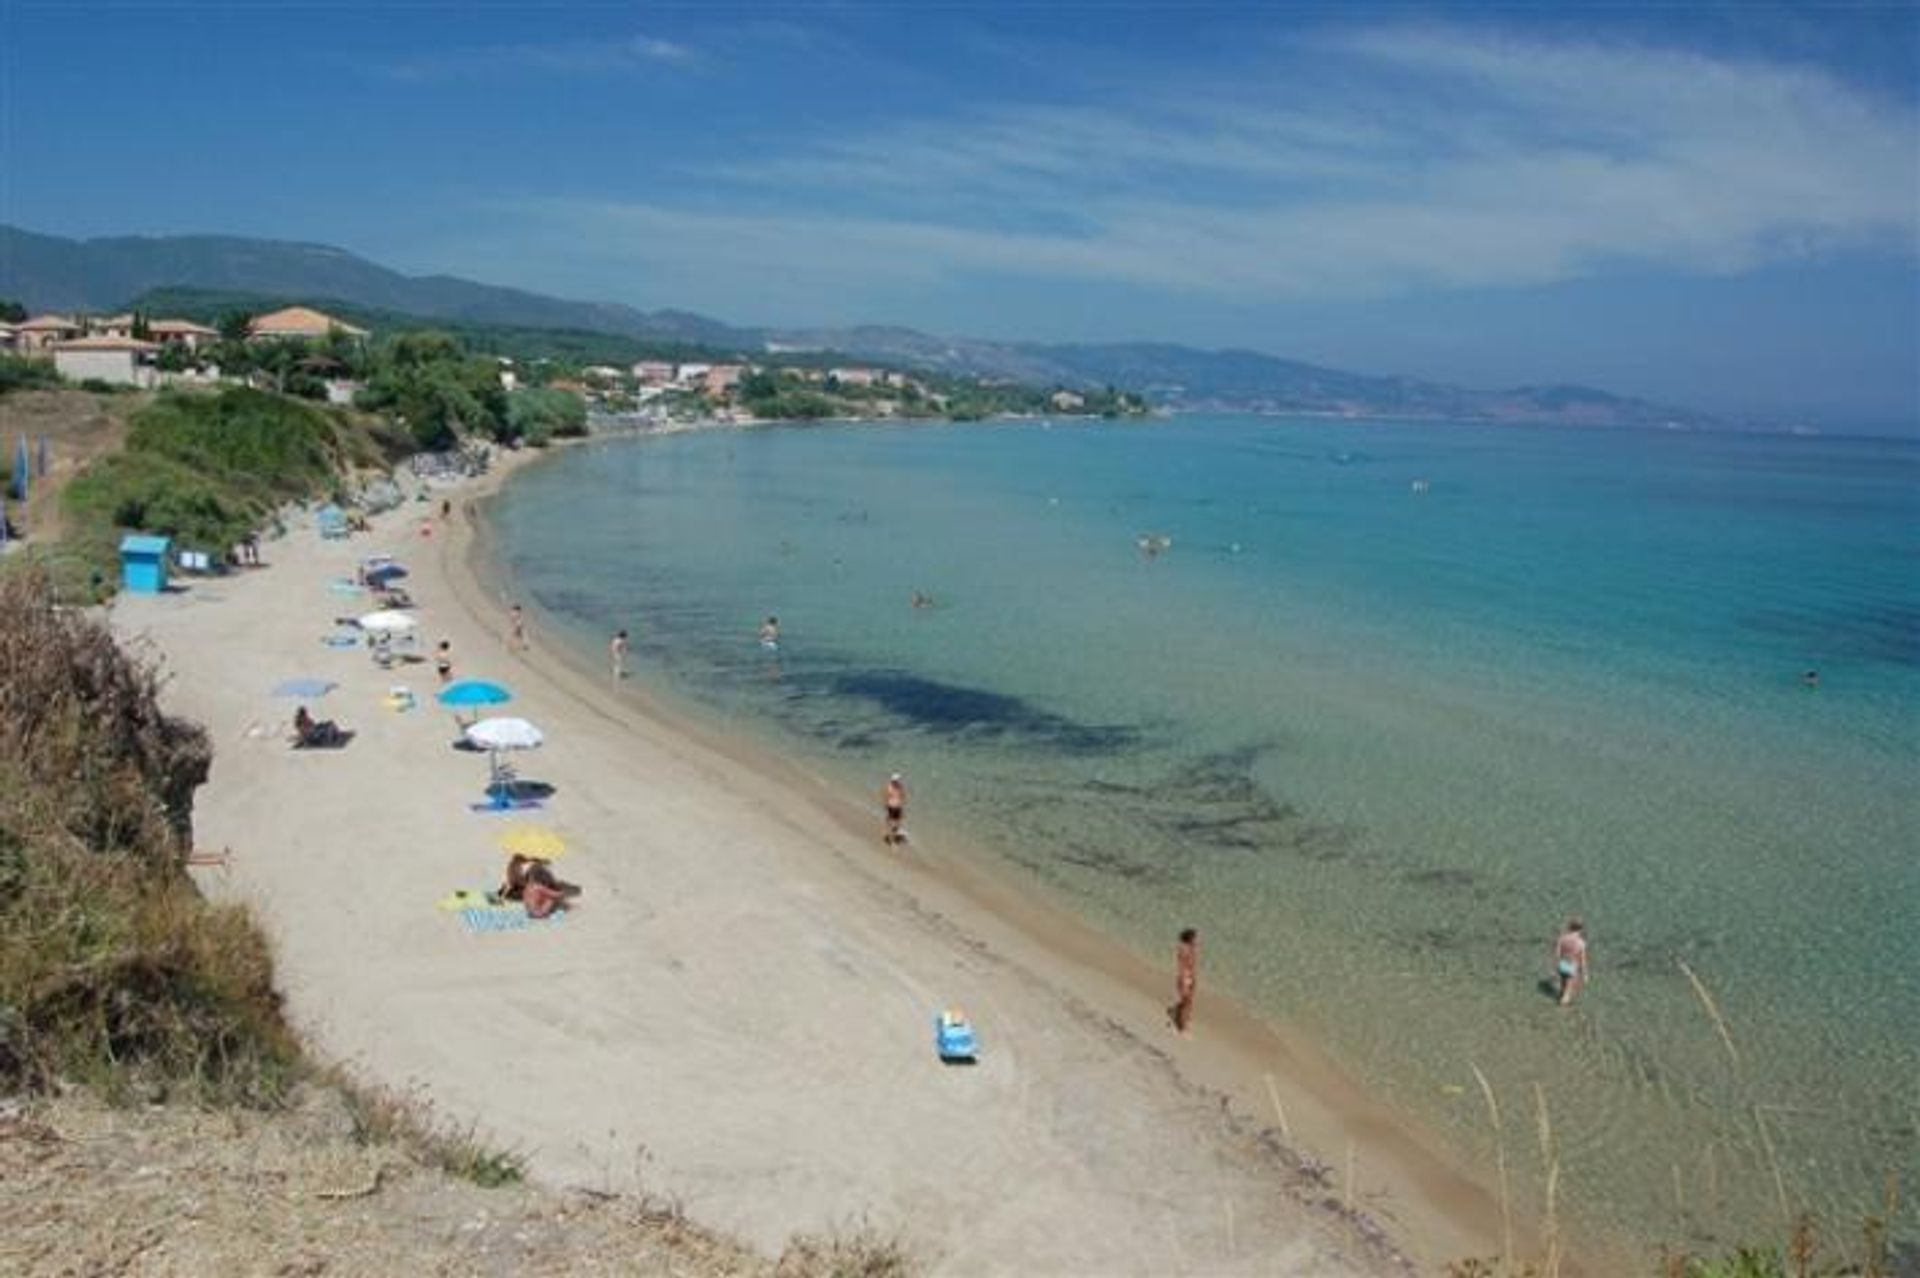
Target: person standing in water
(770, 633)
(894, 799)
(1186, 980)
(618, 651)
(1570, 959)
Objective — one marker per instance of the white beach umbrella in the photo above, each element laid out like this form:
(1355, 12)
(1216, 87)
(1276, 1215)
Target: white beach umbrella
(505, 734)
(494, 736)
(387, 621)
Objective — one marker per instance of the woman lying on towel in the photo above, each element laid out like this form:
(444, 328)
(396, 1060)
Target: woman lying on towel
(531, 882)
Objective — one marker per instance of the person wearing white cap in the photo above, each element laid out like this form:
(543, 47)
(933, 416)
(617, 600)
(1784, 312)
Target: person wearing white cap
(894, 797)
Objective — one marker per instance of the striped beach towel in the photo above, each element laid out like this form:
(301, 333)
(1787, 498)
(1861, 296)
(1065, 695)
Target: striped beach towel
(503, 918)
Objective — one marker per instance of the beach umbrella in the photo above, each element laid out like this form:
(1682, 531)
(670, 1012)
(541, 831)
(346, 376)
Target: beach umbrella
(474, 692)
(20, 472)
(532, 840)
(384, 573)
(304, 689)
(505, 734)
(494, 736)
(387, 621)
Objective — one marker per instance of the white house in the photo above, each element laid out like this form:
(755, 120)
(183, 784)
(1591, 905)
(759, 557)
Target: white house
(123, 361)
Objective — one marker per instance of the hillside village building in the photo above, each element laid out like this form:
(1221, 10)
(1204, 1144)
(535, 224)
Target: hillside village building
(118, 361)
(298, 322)
(42, 332)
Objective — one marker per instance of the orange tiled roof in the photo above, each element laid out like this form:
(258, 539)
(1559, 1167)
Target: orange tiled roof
(296, 321)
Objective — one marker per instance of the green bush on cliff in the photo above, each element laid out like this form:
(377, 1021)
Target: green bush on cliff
(205, 469)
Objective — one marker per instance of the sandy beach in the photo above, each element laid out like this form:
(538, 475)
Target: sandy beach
(739, 1012)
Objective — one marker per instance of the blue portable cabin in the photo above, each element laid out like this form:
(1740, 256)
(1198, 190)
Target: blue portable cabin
(143, 563)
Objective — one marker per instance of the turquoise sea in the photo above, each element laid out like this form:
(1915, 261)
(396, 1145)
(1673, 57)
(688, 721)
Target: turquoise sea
(1396, 700)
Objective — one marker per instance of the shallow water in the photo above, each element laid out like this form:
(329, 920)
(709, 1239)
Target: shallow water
(1376, 742)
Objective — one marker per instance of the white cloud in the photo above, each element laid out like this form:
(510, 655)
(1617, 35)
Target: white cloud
(558, 57)
(1396, 161)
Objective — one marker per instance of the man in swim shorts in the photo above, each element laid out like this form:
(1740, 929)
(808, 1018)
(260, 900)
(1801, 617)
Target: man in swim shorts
(1570, 959)
(894, 799)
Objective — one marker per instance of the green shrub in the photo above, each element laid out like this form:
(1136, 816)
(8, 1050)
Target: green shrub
(245, 438)
(17, 372)
(155, 494)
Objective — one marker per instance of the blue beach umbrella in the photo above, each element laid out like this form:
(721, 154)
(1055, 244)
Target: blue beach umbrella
(474, 692)
(304, 689)
(21, 471)
(384, 573)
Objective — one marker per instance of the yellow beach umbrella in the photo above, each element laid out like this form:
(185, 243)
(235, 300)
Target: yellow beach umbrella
(532, 840)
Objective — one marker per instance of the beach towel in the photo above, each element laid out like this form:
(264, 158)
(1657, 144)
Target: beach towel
(344, 586)
(482, 911)
(512, 805)
(509, 917)
(341, 639)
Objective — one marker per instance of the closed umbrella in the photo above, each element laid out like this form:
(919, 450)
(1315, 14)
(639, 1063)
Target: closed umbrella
(387, 621)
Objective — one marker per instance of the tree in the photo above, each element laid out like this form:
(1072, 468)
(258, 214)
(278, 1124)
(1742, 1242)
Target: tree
(235, 326)
(537, 415)
(142, 327)
(11, 312)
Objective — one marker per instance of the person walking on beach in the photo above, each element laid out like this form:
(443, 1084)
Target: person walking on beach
(894, 799)
(1186, 979)
(517, 628)
(443, 661)
(618, 651)
(1570, 959)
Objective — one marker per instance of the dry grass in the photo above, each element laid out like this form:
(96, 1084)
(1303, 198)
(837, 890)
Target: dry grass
(79, 426)
(113, 969)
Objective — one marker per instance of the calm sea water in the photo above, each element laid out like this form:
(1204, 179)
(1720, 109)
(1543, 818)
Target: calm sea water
(1376, 742)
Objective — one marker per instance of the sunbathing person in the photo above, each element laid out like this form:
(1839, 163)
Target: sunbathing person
(531, 882)
(309, 732)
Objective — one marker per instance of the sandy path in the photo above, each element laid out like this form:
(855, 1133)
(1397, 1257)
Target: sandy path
(738, 1015)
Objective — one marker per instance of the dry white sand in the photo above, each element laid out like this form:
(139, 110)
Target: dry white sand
(739, 1012)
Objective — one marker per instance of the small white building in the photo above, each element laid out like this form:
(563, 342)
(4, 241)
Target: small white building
(122, 361)
(691, 374)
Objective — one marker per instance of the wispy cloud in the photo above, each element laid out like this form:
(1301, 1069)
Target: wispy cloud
(1393, 161)
(559, 57)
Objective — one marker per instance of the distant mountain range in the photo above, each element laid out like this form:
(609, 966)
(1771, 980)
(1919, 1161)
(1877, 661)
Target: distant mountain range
(48, 272)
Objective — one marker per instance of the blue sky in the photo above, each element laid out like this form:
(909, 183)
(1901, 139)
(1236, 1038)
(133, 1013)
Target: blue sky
(1715, 205)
